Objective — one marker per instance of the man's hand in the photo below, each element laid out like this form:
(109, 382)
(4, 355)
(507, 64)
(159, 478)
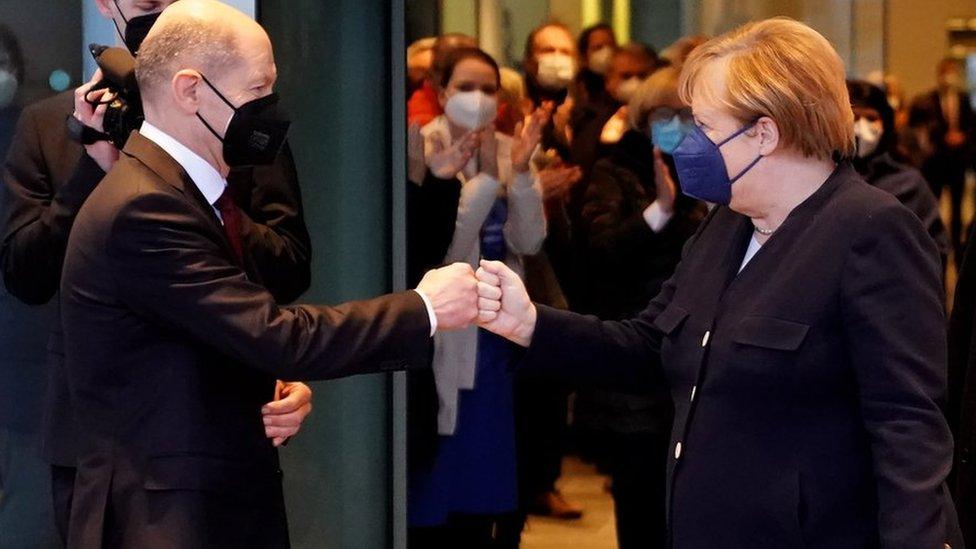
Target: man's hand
(504, 306)
(445, 162)
(528, 135)
(667, 189)
(453, 293)
(284, 415)
(103, 153)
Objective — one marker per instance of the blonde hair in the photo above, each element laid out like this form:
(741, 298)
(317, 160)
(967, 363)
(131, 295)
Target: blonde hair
(512, 86)
(785, 70)
(657, 90)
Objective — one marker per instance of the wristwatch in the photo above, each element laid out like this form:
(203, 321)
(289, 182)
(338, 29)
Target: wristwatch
(85, 135)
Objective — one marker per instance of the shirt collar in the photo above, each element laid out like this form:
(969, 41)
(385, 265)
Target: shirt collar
(203, 174)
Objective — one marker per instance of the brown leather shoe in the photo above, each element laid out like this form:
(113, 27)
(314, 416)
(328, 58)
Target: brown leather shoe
(553, 504)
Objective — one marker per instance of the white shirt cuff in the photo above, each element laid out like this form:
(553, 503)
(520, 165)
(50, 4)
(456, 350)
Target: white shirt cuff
(430, 312)
(656, 217)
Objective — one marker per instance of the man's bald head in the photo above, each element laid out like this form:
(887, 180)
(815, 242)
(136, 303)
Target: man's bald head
(204, 35)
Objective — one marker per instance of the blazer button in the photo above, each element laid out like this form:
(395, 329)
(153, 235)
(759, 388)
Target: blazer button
(677, 450)
(707, 335)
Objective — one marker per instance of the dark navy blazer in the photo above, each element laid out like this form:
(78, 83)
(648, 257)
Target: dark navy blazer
(807, 387)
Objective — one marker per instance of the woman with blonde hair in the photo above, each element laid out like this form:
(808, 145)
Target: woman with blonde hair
(802, 335)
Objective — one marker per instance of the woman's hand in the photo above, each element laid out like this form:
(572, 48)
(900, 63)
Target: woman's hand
(488, 152)
(527, 136)
(445, 162)
(667, 189)
(504, 306)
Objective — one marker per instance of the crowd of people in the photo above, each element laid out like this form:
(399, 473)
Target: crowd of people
(596, 223)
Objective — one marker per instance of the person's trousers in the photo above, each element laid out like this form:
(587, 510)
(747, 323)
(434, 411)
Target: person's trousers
(470, 532)
(637, 464)
(540, 432)
(26, 516)
(953, 177)
(62, 492)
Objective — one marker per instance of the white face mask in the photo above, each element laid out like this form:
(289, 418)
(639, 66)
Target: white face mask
(599, 60)
(8, 87)
(627, 89)
(868, 136)
(556, 71)
(471, 110)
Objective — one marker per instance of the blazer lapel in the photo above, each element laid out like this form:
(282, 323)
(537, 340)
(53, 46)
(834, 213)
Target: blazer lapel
(162, 164)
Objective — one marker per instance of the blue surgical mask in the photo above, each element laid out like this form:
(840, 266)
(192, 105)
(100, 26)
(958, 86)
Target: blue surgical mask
(667, 134)
(701, 168)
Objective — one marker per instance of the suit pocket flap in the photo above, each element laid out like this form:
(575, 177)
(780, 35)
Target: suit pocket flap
(207, 473)
(670, 319)
(770, 333)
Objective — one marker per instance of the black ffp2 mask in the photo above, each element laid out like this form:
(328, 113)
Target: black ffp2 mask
(136, 29)
(256, 131)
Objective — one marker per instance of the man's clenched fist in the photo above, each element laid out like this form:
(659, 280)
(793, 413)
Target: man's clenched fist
(453, 294)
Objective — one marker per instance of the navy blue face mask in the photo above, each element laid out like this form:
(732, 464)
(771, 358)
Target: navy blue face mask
(701, 168)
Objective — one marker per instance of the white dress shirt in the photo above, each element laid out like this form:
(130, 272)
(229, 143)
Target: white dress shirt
(212, 184)
(203, 174)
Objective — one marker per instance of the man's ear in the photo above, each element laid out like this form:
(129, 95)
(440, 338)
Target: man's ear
(105, 8)
(768, 133)
(185, 88)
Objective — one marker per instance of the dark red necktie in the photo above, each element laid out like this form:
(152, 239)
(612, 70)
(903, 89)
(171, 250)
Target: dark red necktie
(231, 217)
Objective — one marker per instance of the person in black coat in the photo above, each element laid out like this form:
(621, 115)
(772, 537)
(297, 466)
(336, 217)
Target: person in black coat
(634, 225)
(881, 164)
(47, 176)
(945, 126)
(802, 335)
(172, 341)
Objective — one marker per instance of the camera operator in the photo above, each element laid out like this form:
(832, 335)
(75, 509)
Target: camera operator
(51, 169)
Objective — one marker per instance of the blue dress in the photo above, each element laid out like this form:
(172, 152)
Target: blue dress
(473, 471)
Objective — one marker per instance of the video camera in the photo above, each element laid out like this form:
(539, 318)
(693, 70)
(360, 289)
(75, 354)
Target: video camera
(124, 105)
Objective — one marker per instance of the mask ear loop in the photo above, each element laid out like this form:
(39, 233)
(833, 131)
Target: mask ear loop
(222, 98)
(734, 135)
(114, 22)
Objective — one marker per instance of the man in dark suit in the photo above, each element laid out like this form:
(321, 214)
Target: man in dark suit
(172, 343)
(47, 177)
(945, 124)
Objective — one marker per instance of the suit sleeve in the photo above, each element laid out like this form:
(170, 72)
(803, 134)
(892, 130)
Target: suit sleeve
(167, 268)
(36, 218)
(894, 322)
(275, 234)
(585, 350)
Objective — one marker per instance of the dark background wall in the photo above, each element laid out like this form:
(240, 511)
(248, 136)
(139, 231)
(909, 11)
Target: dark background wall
(49, 32)
(333, 65)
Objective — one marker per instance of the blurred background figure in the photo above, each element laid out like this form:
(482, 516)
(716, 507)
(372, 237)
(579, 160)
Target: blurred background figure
(882, 164)
(550, 65)
(634, 225)
(420, 58)
(463, 491)
(424, 105)
(677, 52)
(26, 514)
(595, 45)
(603, 123)
(945, 127)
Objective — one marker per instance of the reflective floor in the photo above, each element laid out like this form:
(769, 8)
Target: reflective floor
(581, 484)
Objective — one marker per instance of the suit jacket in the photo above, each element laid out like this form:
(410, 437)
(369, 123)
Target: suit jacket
(47, 177)
(172, 350)
(944, 162)
(806, 387)
(962, 393)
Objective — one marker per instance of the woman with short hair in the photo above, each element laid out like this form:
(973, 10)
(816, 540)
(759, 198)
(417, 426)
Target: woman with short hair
(802, 335)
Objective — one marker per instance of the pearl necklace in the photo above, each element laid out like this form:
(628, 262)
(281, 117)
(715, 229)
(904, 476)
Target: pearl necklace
(764, 232)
